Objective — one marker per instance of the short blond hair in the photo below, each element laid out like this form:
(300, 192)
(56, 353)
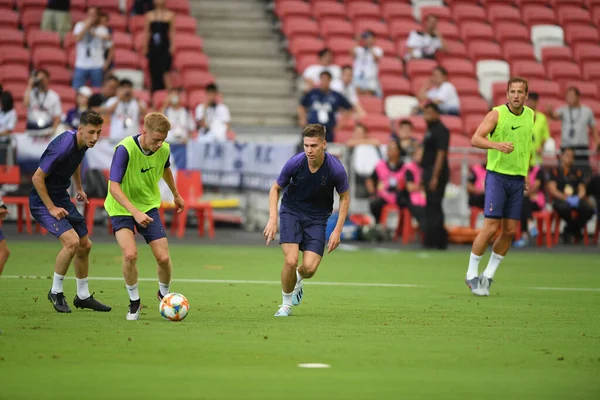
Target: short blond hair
(157, 122)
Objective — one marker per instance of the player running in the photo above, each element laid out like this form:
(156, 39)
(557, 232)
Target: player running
(133, 200)
(309, 179)
(509, 127)
(52, 208)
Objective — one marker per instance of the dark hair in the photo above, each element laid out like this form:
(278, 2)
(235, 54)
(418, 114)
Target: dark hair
(406, 122)
(111, 77)
(125, 82)
(323, 52)
(517, 79)
(534, 96)
(574, 90)
(327, 73)
(43, 71)
(7, 101)
(442, 70)
(212, 87)
(95, 100)
(347, 66)
(89, 117)
(433, 107)
(314, 130)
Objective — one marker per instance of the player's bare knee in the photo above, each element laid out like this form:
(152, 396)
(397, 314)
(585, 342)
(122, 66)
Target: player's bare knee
(291, 262)
(71, 244)
(85, 246)
(309, 271)
(509, 232)
(163, 260)
(4, 252)
(130, 256)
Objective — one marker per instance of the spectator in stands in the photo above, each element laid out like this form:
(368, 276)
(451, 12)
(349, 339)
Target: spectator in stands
(348, 89)
(44, 108)
(312, 73)
(475, 185)
(91, 40)
(141, 7)
(8, 121)
(385, 185)
(366, 57)
(541, 131)
(413, 179)
(408, 144)
(125, 111)
(320, 105)
(568, 192)
(159, 44)
(593, 189)
(82, 100)
(361, 136)
(425, 44)
(57, 17)
(576, 118)
(182, 125)
(213, 117)
(109, 50)
(535, 200)
(440, 91)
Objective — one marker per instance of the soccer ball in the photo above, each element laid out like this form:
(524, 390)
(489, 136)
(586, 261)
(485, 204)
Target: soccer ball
(174, 307)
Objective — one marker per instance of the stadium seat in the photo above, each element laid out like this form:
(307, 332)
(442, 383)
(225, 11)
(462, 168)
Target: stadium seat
(324, 9)
(13, 73)
(188, 42)
(570, 14)
(295, 27)
(66, 92)
(448, 30)
(45, 56)
(60, 75)
(9, 19)
(77, 16)
(186, 60)
(78, 5)
(371, 104)
(122, 40)
(189, 184)
(514, 51)
(591, 70)
(476, 31)
(137, 24)
(11, 37)
(17, 89)
(304, 61)
(559, 3)
(340, 45)
(501, 12)
(595, 106)
(105, 5)
(400, 106)
(376, 122)
(388, 47)
(195, 98)
(556, 53)
(563, 70)
(117, 22)
(576, 33)
(544, 36)
(159, 96)
(15, 55)
(335, 28)
(390, 65)
(394, 86)
(419, 124)
(127, 59)
(510, 31)
(536, 14)
(400, 29)
(380, 29)
(442, 13)
(470, 105)
(545, 88)
(528, 69)
(364, 10)
(585, 89)
(27, 5)
(12, 175)
(194, 80)
(488, 72)
(459, 67)
(586, 52)
(31, 19)
(179, 6)
(471, 122)
(464, 12)
(142, 95)
(342, 136)
(286, 9)
(465, 86)
(418, 5)
(393, 10)
(454, 124)
(596, 16)
(416, 68)
(416, 84)
(454, 48)
(185, 23)
(304, 45)
(484, 50)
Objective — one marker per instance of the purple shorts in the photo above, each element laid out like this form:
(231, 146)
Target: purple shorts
(503, 196)
(153, 232)
(58, 226)
(307, 232)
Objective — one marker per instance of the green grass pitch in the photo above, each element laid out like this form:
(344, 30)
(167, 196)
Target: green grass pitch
(433, 341)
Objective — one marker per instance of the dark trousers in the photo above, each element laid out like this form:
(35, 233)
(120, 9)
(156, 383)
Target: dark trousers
(528, 208)
(436, 236)
(574, 226)
(376, 206)
(476, 200)
(419, 213)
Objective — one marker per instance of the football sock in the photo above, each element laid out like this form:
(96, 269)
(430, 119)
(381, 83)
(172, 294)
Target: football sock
(287, 298)
(133, 292)
(473, 270)
(493, 265)
(83, 291)
(298, 277)
(164, 288)
(57, 283)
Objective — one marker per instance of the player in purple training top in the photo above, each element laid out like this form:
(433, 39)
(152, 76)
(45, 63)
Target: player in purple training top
(309, 179)
(51, 206)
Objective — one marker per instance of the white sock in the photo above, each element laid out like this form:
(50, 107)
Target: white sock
(83, 291)
(473, 270)
(133, 292)
(164, 288)
(287, 298)
(298, 277)
(493, 265)
(57, 283)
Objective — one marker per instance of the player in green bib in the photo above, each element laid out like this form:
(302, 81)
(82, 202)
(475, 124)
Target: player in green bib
(506, 133)
(134, 198)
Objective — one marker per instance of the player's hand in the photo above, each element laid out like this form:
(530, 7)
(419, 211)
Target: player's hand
(526, 185)
(505, 147)
(58, 212)
(81, 196)
(270, 230)
(433, 183)
(3, 212)
(143, 219)
(179, 203)
(334, 241)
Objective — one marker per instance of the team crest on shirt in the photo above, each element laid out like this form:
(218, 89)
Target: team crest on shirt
(55, 227)
(491, 207)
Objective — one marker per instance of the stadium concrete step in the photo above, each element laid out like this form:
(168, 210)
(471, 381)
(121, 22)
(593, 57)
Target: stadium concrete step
(226, 28)
(225, 6)
(275, 85)
(272, 121)
(251, 67)
(240, 47)
(262, 105)
(222, 15)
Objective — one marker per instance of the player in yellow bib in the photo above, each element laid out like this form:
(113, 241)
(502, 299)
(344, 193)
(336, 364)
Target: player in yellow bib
(506, 133)
(133, 200)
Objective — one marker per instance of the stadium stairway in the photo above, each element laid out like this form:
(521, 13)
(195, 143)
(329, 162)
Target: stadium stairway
(245, 57)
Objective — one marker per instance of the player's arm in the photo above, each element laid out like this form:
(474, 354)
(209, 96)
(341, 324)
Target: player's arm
(554, 192)
(39, 183)
(488, 125)
(77, 184)
(581, 193)
(271, 228)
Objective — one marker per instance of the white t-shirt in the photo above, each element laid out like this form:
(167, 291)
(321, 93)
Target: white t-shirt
(446, 94)
(125, 120)
(365, 66)
(423, 44)
(8, 120)
(313, 72)
(43, 108)
(349, 91)
(181, 124)
(89, 51)
(216, 119)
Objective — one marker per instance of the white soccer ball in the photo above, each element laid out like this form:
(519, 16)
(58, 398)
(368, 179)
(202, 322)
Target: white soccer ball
(174, 307)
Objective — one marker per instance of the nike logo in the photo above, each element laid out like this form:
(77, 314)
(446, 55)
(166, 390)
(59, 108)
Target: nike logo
(515, 127)
(146, 169)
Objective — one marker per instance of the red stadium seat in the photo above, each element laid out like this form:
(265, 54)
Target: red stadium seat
(545, 88)
(535, 14)
(66, 92)
(11, 37)
(340, 45)
(400, 29)
(380, 29)
(596, 15)
(77, 16)
(9, 19)
(195, 98)
(304, 61)
(286, 9)
(371, 104)
(45, 56)
(342, 59)
(506, 31)
(556, 53)
(416, 84)
(473, 105)
(326, 9)
(500, 12)
(335, 28)
(105, 5)
(300, 27)
(305, 45)
(194, 80)
(591, 70)
(448, 30)
(488, 3)
(528, 69)
(476, 31)
(186, 60)
(376, 122)
(122, 40)
(515, 51)
(394, 86)
(31, 19)
(471, 122)
(117, 22)
(13, 73)
(454, 124)
(390, 65)
(388, 47)
(179, 6)
(60, 75)
(459, 67)
(585, 89)
(558, 3)
(137, 23)
(586, 52)
(484, 50)
(394, 10)
(126, 59)
(563, 70)
(576, 33)
(442, 13)
(159, 96)
(142, 95)
(595, 106)
(17, 90)
(465, 86)
(572, 14)
(454, 49)
(78, 5)
(416, 68)
(15, 55)
(464, 12)
(26, 5)
(185, 23)
(364, 10)
(188, 42)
